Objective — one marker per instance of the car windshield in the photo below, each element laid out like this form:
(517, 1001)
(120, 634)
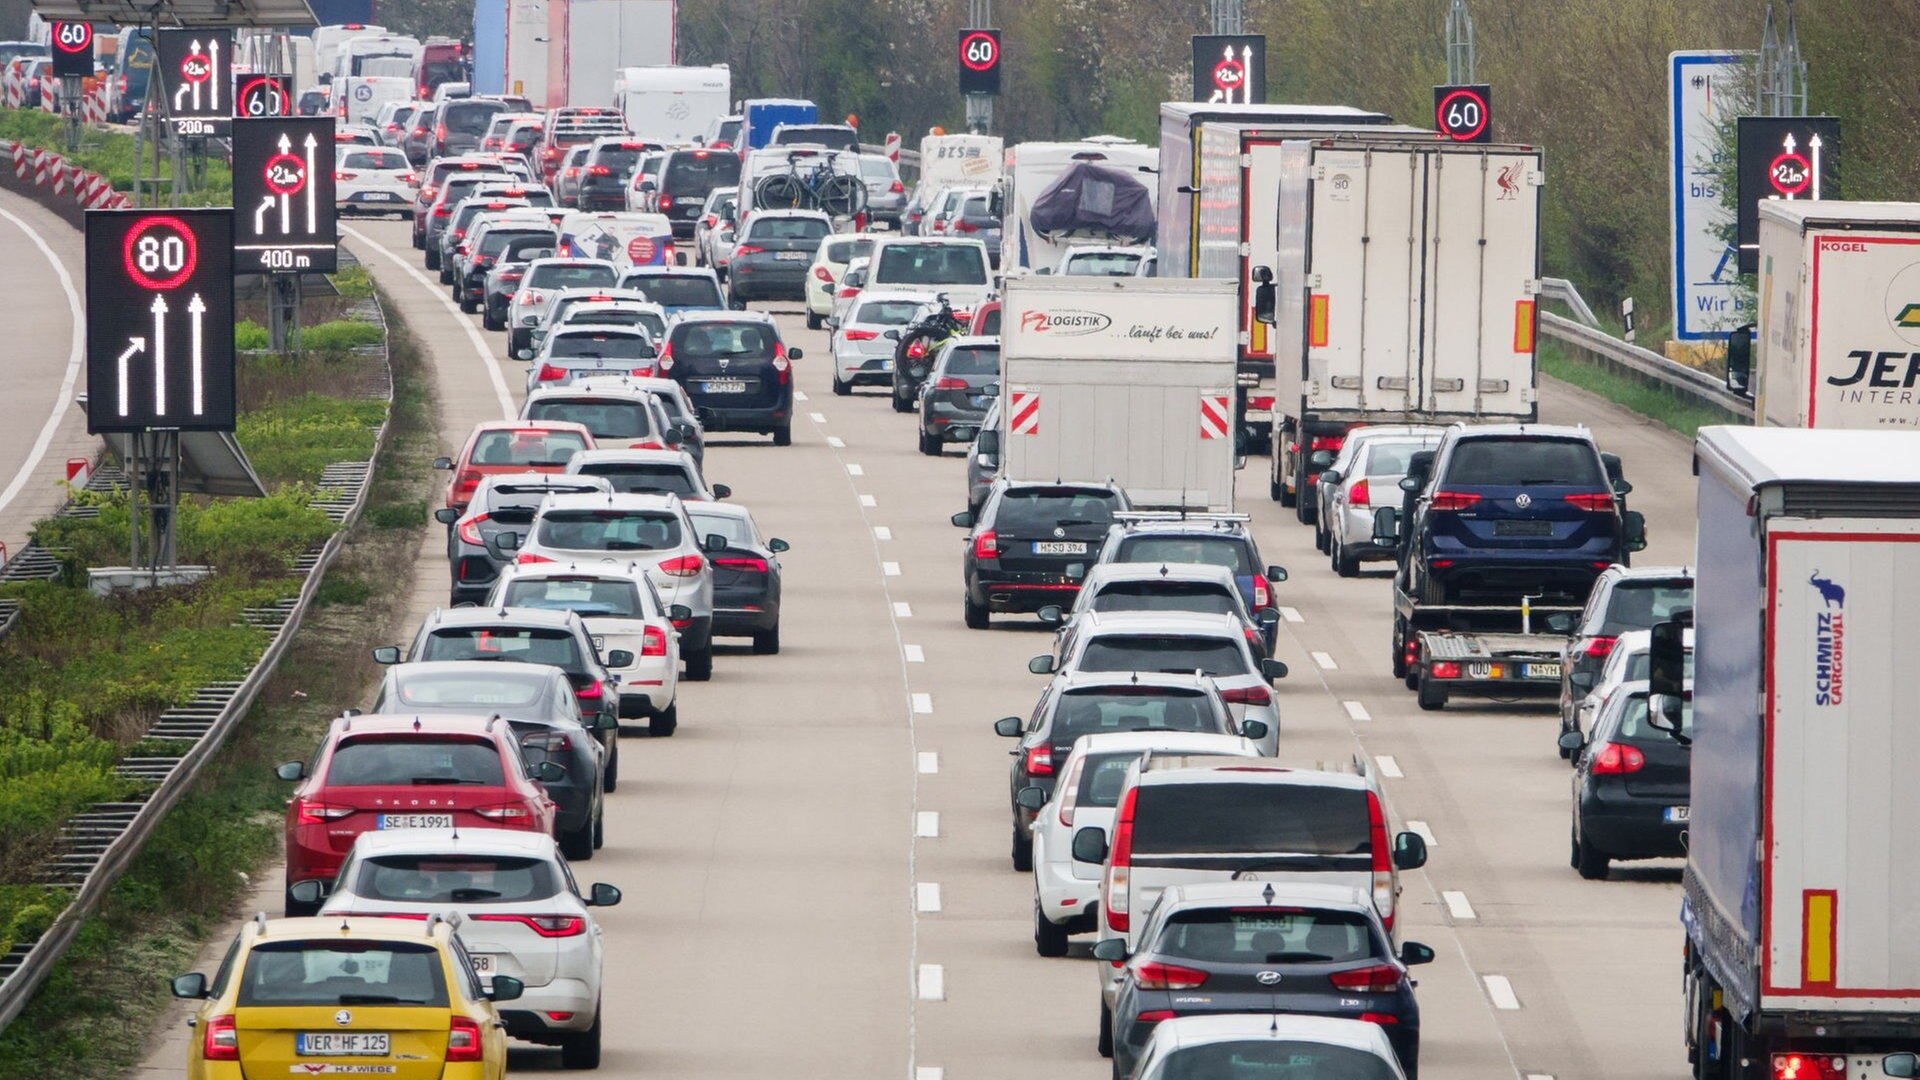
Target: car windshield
(1029, 510)
(1282, 819)
(374, 159)
(1103, 264)
(886, 312)
(789, 228)
(549, 448)
(1100, 712)
(1274, 1059)
(570, 276)
(1209, 597)
(1246, 935)
(525, 645)
(1638, 605)
(415, 761)
(931, 264)
(977, 361)
(469, 117)
(1392, 458)
(336, 973)
(454, 879)
(617, 159)
(676, 290)
(496, 240)
(606, 418)
(1175, 654)
(585, 596)
(1224, 551)
(738, 531)
(602, 346)
(630, 477)
(693, 171)
(609, 530)
(712, 340)
(506, 690)
(1523, 462)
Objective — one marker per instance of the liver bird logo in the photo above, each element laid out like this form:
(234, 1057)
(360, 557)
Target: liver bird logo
(1509, 181)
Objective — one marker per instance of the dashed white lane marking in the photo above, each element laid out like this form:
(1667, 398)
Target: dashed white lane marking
(902, 609)
(1389, 768)
(929, 762)
(799, 395)
(935, 1072)
(869, 501)
(836, 442)
(818, 417)
(1457, 905)
(926, 824)
(1420, 828)
(915, 655)
(923, 704)
(1498, 989)
(926, 897)
(1530, 1076)
(881, 532)
(855, 470)
(1326, 661)
(933, 982)
(1357, 711)
(1292, 614)
(76, 358)
(890, 569)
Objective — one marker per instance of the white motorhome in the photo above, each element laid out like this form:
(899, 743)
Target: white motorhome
(378, 54)
(1033, 167)
(673, 106)
(328, 41)
(961, 160)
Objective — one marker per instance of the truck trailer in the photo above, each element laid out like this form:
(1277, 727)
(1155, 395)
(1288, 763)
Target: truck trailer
(673, 106)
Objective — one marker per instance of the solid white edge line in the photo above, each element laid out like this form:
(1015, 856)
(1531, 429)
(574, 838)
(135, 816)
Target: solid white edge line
(76, 361)
(1357, 711)
(923, 704)
(933, 982)
(1292, 614)
(926, 896)
(1326, 661)
(1500, 991)
(500, 391)
(1389, 768)
(915, 654)
(902, 609)
(929, 762)
(1424, 832)
(926, 824)
(1457, 904)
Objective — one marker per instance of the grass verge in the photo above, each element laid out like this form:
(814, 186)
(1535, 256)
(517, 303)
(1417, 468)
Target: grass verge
(1656, 403)
(95, 1016)
(108, 153)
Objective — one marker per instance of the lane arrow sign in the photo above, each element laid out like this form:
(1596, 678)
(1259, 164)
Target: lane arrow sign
(134, 345)
(196, 308)
(313, 217)
(1813, 145)
(159, 356)
(260, 216)
(213, 72)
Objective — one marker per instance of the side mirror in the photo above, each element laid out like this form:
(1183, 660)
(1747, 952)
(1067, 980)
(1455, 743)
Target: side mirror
(603, 895)
(989, 442)
(714, 543)
(193, 986)
(1633, 530)
(1254, 729)
(963, 519)
(1560, 622)
(1667, 655)
(679, 612)
(891, 335)
(311, 891)
(1030, 798)
(1273, 669)
(1409, 851)
(444, 464)
(620, 658)
(1907, 1065)
(648, 185)
(1052, 615)
(1413, 954)
(387, 654)
(1319, 459)
(1572, 741)
(1740, 381)
(1113, 949)
(1265, 295)
(1007, 727)
(500, 544)
(796, 354)
(673, 437)
(446, 515)
(549, 772)
(1276, 573)
(777, 546)
(1386, 525)
(1667, 713)
(1409, 483)
(1090, 844)
(1041, 665)
(291, 771)
(722, 491)
(505, 988)
(1329, 476)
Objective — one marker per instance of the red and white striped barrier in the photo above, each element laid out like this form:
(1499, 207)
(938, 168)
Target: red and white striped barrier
(892, 145)
(49, 94)
(94, 106)
(14, 85)
(90, 189)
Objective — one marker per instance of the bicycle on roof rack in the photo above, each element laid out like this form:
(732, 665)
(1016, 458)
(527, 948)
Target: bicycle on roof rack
(816, 187)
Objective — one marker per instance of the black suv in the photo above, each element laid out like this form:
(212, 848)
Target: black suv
(608, 168)
(735, 370)
(1031, 544)
(687, 177)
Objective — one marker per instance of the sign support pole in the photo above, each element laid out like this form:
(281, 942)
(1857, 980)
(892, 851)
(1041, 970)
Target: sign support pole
(283, 311)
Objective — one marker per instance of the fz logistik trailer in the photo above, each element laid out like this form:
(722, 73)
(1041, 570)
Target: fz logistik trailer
(1802, 890)
(1404, 282)
(1123, 379)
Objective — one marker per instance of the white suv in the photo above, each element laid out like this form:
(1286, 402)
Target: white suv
(931, 267)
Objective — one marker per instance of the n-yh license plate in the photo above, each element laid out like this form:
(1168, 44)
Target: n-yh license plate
(343, 1043)
(724, 386)
(1679, 815)
(415, 821)
(1059, 547)
(1540, 671)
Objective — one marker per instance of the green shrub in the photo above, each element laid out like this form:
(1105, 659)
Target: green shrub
(354, 282)
(249, 335)
(340, 335)
(293, 440)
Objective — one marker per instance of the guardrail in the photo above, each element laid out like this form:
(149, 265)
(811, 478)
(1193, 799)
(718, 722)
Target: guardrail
(99, 844)
(1646, 365)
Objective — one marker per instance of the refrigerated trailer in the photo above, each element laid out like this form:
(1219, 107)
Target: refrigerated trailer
(1802, 893)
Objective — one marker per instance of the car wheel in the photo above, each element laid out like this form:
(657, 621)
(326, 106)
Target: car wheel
(783, 435)
(610, 776)
(841, 388)
(766, 642)
(1593, 865)
(1410, 1062)
(1303, 505)
(468, 306)
(1319, 538)
(1344, 564)
(582, 1051)
(433, 256)
(977, 616)
(491, 320)
(1048, 939)
(600, 828)
(419, 242)
(664, 723)
(901, 404)
(577, 844)
(1105, 1042)
(699, 665)
(929, 444)
(813, 321)
(1433, 694)
(1022, 848)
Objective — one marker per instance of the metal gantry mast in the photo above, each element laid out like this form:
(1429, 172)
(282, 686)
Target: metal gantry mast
(979, 106)
(1227, 17)
(1459, 45)
(1782, 71)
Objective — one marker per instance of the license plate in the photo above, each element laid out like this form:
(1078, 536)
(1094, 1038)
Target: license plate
(791, 256)
(482, 963)
(343, 1043)
(1523, 528)
(724, 386)
(1541, 671)
(1059, 547)
(886, 365)
(378, 196)
(415, 821)
(1679, 815)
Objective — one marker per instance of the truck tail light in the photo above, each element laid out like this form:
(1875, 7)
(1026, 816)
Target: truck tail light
(1156, 976)
(1040, 760)
(1251, 695)
(1809, 1067)
(1617, 759)
(1594, 502)
(1454, 500)
(684, 566)
(986, 545)
(1358, 495)
(1379, 979)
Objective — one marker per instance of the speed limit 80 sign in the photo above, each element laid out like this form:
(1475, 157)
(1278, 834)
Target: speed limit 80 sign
(980, 61)
(1463, 113)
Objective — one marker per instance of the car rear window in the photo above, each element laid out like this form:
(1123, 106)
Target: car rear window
(1640, 667)
(650, 321)
(333, 972)
(1500, 462)
(1100, 712)
(990, 323)
(698, 171)
(503, 691)
(606, 418)
(1103, 264)
(876, 168)
(886, 312)
(1274, 1059)
(525, 645)
(737, 531)
(1175, 654)
(469, 117)
(620, 159)
(570, 276)
(600, 345)
(1102, 778)
(630, 477)
(526, 248)
(1203, 596)
(1392, 458)
(1024, 510)
(1267, 936)
(609, 530)
(455, 879)
(676, 290)
(1638, 604)
(1269, 818)
(412, 761)
(1224, 551)
(931, 264)
(374, 159)
(788, 228)
(584, 596)
(549, 448)
(712, 340)
(976, 361)
(496, 239)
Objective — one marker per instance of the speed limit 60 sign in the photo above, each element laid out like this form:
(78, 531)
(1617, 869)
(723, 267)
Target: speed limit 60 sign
(1463, 113)
(980, 61)
(160, 320)
(72, 49)
(256, 95)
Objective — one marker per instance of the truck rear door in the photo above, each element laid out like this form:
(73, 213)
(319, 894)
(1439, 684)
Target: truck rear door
(1840, 889)
(1482, 238)
(1364, 280)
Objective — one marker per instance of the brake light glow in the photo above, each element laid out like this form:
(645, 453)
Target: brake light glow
(314, 812)
(1808, 1067)
(1379, 979)
(986, 545)
(1594, 502)
(593, 691)
(1617, 759)
(684, 566)
(463, 1040)
(897, 188)
(653, 642)
(528, 558)
(469, 530)
(1150, 975)
(965, 226)
(1601, 647)
(222, 1040)
(1358, 495)
(666, 202)
(338, 175)
(1040, 760)
(751, 564)
(860, 335)
(1454, 500)
(1445, 669)
(1250, 695)
(1114, 887)
(510, 813)
(917, 350)
(950, 383)
(549, 373)
(749, 249)
(1383, 891)
(599, 170)
(1327, 442)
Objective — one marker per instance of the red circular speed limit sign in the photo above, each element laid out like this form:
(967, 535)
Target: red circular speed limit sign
(1462, 114)
(1791, 173)
(197, 67)
(160, 253)
(1228, 75)
(73, 37)
(285, 174)
(979, 52)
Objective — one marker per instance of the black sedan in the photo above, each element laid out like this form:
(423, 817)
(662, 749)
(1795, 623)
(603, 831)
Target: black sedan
(1631, 783)
(1264, 946)
(1031, 544)
(746, 575)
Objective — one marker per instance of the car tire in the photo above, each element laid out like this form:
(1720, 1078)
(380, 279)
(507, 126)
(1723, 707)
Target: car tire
(610, 775)
(699, 665)
(929, 444)
(577, 844)
(977, 616)
(766, 642)
(582, 1051)
(840, 387)
(1305, 507)
(468, 306)
(901, 404)
(1049, 939)
(600, 828)
(814, 322)
(1591, 864)
(1104, 1044)
(1022, 848)
(783, 435)
(1344, 564)
(491, 321)
(1319, 538)
(433, 255)
(1433, 694)
(663, 724)
(419, 241)
(1410, 1063)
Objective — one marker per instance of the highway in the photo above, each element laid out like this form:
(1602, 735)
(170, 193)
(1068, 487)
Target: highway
(815, 867)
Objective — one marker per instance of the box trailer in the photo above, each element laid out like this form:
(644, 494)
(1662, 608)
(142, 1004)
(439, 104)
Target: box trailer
(1124, 379)
(1802, 898)
(960, 159)
(759, 116)
(594, 39)
(670, 105)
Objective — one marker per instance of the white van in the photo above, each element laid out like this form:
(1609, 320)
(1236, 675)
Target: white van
(358, 98)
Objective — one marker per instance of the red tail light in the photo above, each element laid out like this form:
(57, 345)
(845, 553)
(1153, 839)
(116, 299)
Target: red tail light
(1327, 442)
(1454, 500)
(666, 202)
(464, 486)
(1617, 759)
(848, 292)
(653, 641)
(1358, 495)
(963, 225)
(1383, 898)
(315, 812)
(550, 152)
(684, 566)
(751, 564)
(897, 188)
(1601, 647)
(950, 383)
(1252, 695)
(549, 373)
(860, 335)
(821, 273)
(1113, 898)
(1262, 592)
(917, 350)
(1156, 976)
(593, 691)
(338, 175)
(1154, 1016)
(1446, 669)
(443, 210)
(1808, 1067)
(550, 742)
(463, 1040)
(1378, 1018)
(1379, 979)
(986, 545)
(222, 1041)
(599, 170)
(749, 249)
(709, 221)
(1593, 502)
(469, 530)
(544, 925)
(440, 132)
(528, 558)
(506, 813)
(1040, 760)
